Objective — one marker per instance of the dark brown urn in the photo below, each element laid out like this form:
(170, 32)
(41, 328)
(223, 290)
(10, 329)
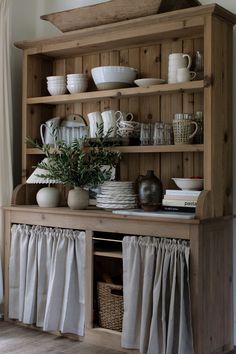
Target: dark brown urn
(150, 191)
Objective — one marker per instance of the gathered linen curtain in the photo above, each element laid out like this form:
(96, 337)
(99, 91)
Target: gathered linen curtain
(46, 278)
(156, 296)
(6, 184)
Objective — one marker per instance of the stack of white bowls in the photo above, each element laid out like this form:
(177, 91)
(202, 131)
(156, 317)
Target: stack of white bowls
(77, 83)
(56, 85)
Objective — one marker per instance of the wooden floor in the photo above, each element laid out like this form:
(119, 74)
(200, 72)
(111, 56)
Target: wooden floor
(20, 340)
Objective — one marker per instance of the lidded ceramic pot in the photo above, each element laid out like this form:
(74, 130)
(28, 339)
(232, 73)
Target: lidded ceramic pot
(150, 191)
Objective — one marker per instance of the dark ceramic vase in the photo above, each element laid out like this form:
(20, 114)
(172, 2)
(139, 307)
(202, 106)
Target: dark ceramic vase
(150, 191)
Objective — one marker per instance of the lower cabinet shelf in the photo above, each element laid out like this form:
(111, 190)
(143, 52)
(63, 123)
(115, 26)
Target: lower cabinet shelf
(111, 254)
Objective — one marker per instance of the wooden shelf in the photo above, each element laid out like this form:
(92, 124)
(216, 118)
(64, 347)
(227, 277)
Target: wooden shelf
(111, 254)
(160, 148)
(192, 86)
(143, 149)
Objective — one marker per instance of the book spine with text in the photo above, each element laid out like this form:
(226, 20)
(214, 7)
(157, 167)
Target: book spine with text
(181, 197)
(183, 203)
(180, 192)
(178, 209)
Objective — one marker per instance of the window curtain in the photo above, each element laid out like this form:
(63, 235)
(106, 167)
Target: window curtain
(5, 123)
(46, 278)
(156, 296)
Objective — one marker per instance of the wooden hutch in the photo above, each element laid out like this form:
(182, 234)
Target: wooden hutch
(145, 43)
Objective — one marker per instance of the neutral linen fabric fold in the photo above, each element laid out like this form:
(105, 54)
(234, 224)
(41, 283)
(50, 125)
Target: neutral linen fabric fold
(156, 296)
(6, 128)
(46, 278)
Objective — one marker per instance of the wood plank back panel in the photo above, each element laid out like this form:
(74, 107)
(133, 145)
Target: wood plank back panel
(188, 170)
(39, 67)
(134, 107)
(198, 104)
(170, 104)
(73, 66)
(151, 61)
(89, 62)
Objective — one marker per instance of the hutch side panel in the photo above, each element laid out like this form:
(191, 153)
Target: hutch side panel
(212, 287)
(218, 113)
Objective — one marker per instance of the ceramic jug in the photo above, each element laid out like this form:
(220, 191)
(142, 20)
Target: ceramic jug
(49, 130)
(150, 191)
(95, 121)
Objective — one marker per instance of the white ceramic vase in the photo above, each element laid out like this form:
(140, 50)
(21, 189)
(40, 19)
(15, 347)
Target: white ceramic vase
(78, 198)
(48, 197)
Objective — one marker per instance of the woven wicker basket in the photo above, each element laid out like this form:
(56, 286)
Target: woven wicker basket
(110, 306)
(184, 131)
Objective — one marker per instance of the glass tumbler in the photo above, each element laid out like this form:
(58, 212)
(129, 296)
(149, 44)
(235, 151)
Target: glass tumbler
(146, 133)
(159, 134)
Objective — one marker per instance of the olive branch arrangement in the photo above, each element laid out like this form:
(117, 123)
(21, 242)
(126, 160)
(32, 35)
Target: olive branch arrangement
(82, 163)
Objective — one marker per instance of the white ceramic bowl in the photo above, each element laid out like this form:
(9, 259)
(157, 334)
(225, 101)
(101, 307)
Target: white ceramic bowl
(146, 82)
(112, 77)
(70, 76)
(189, 183)
(55, 78)
(56, 89)
(72, 81)
(76, 88)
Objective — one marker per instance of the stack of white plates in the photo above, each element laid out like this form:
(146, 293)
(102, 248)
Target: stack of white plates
(117, 195)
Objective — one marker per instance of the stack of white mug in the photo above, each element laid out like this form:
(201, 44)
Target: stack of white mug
(179, 68)
(114, 123)
(107, 118)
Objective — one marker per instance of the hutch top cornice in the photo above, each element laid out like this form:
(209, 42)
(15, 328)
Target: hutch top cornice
(160, 26)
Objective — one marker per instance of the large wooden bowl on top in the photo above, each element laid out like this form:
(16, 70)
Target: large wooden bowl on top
(112, 11)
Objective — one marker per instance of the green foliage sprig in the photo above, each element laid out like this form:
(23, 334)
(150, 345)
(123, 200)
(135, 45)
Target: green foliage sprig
(79, 164)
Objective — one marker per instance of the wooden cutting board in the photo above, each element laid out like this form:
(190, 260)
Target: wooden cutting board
(112, 11)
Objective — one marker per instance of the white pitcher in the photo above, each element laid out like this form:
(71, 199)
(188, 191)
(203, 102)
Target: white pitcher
(177, 61)
(50, 130)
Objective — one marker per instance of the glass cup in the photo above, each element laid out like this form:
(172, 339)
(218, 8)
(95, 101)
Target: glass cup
(159, 134)
(146, 133)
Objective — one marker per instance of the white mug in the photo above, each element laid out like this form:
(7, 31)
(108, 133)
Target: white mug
(123, 116)
(184, 74)
(95, 119)
(109, 122)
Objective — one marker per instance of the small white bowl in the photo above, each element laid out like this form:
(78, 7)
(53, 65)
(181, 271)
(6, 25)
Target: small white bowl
(194, 184)
(57, 90)
(77, 88)
(72, 76)
(113, 77)
(146, 82)
(74, 81)
(56, 84)
(56, 77)
(56, 80)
